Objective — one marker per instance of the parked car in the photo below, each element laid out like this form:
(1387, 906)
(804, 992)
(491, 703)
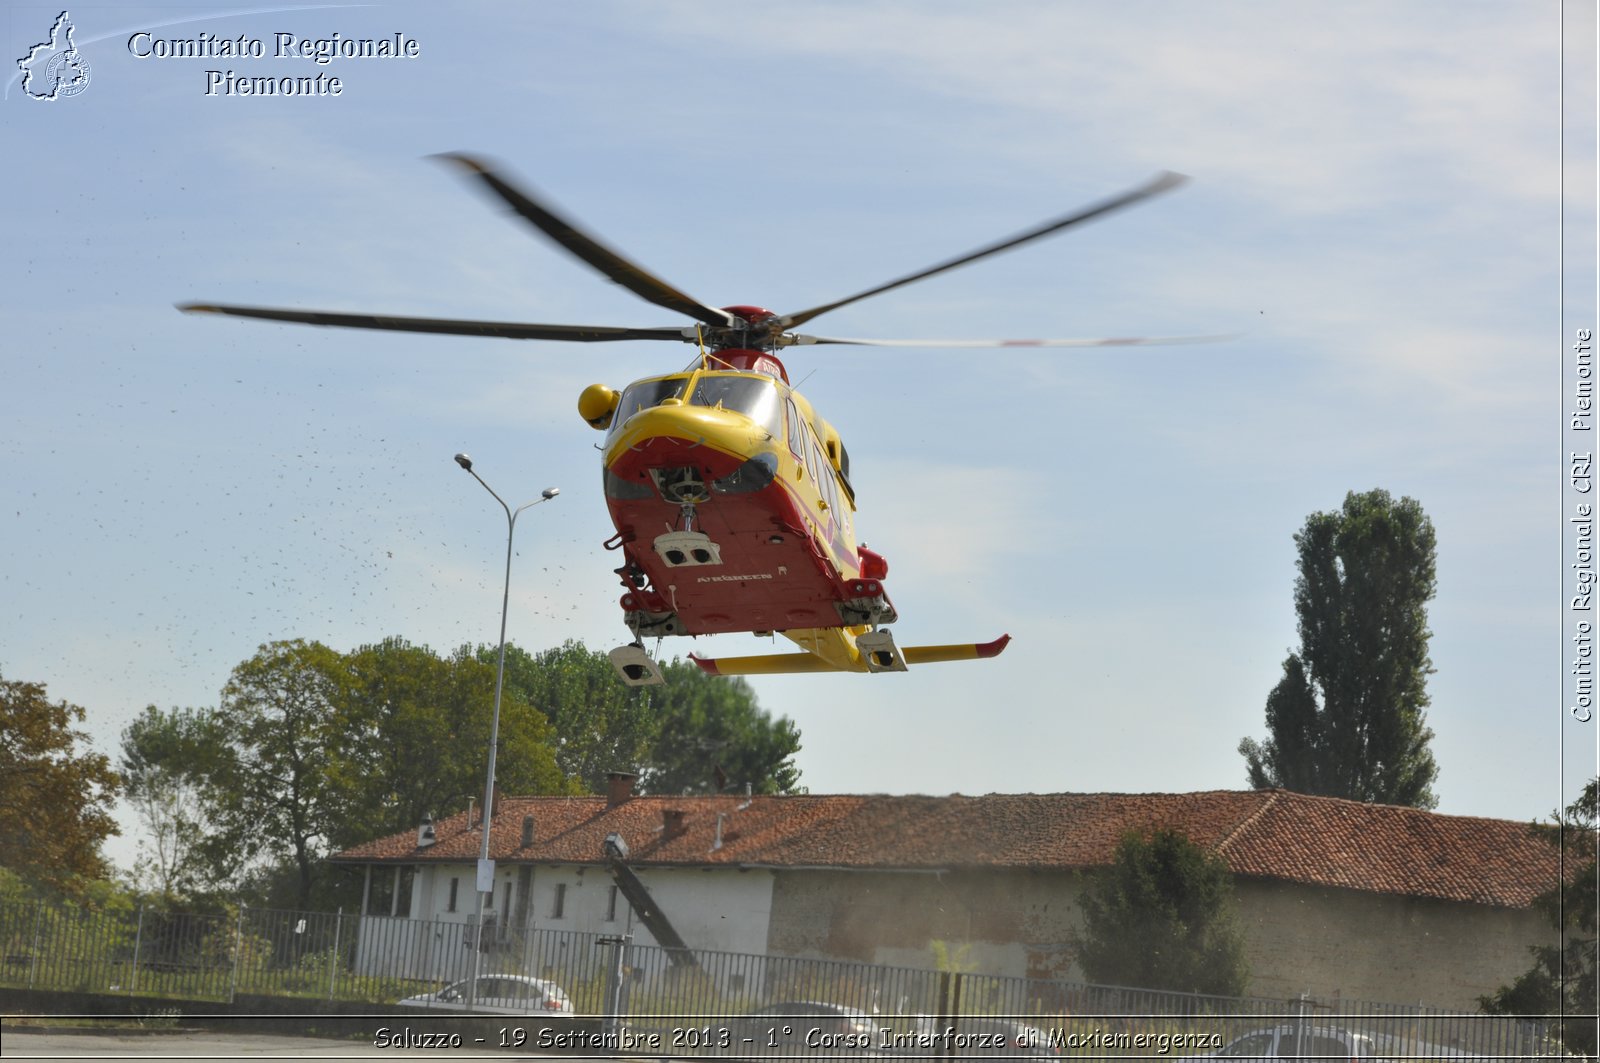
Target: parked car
(1326, 1044)
(803, 1027)
(509, 994)
(983, 1036)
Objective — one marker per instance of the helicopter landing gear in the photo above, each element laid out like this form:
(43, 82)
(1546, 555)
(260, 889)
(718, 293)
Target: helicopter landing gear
(879, 651)
(873, 607)
(635, 667)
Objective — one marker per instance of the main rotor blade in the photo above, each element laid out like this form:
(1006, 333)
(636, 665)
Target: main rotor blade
(512, 330)
(630, 275)
(1161, 183)
(798, 340)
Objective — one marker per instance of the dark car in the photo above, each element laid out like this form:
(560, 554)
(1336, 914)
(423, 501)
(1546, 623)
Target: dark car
(802, 1028)
(983, 1036)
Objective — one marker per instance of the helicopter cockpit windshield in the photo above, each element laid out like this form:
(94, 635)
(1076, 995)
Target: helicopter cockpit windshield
(755, 397)
(643, 394)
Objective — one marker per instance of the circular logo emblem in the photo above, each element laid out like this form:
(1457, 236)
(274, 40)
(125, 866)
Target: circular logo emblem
(67, 73)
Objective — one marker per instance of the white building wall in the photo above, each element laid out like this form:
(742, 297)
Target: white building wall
(721, 909)
(429, 942)
(717, 910)
(430, 894)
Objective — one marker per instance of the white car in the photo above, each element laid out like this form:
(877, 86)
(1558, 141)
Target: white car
(510, 994)
(1323, 1044)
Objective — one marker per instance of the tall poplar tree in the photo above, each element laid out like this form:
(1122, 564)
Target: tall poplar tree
(1346, 719)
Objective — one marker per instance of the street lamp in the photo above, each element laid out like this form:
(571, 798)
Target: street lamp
(485, 881)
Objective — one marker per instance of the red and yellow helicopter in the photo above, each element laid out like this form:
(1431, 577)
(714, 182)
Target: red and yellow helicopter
(731, 496)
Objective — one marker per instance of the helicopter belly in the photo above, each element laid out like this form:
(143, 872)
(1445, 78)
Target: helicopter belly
(720, 542)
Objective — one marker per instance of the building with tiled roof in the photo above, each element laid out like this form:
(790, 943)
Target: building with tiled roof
(1373, 902)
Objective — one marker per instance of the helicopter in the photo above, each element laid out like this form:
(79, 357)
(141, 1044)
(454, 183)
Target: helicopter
(730, 495)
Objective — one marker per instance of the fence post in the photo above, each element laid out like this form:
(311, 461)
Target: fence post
(333, 953)
(611, 1009)
(138, 939)
(238, 943)
(33, 953)
(949, 1004)
(1302, 1011)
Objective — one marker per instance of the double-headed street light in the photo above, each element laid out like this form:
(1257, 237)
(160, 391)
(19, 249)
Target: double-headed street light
(485, 880)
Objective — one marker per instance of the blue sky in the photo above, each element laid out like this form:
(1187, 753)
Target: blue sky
(1375, 207)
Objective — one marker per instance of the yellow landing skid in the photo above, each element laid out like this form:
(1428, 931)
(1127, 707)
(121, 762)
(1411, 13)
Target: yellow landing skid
(835, 650)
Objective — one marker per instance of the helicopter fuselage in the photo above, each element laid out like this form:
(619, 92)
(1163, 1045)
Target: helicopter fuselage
(734, 511)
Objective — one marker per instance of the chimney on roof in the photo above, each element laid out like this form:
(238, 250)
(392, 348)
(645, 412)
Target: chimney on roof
(619, 787)
(527, 831)
(672, 822)
(425, 836)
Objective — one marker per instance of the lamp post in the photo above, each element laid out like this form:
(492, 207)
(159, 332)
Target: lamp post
(485, 881)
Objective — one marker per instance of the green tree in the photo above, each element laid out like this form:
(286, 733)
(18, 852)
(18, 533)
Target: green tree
(164, 759)
(1562, 980)
(1161, 917)
(598, 725)
(415, 730)
(711, 728)
(678, 736)
(311, 750)
(1346, 719)
(57, 794)
(270, 786)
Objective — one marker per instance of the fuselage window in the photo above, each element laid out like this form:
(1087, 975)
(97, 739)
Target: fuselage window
(797, 433)
(822, 472)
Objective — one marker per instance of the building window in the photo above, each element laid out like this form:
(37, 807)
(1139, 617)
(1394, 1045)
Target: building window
(380, 891)
(488, 899)
(524, 895)
(560, 904)
(611, 906)
(455, 884)
(402, 900)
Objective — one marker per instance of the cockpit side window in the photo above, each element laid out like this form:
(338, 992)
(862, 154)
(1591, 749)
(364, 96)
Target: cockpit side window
(797, 432)
(844, 470)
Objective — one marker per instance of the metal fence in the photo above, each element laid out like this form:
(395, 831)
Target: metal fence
(647, 991)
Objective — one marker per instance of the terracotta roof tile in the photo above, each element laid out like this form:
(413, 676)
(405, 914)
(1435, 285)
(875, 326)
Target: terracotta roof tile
(1272, 834)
